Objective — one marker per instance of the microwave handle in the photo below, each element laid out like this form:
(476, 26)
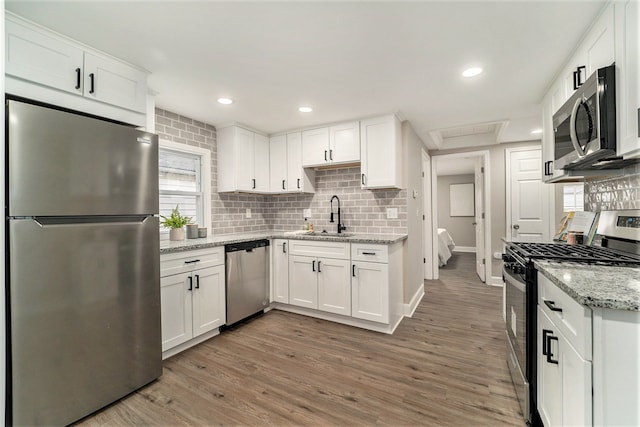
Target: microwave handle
(572, 128)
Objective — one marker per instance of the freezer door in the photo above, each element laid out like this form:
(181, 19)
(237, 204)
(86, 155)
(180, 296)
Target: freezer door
(84, 315)
(66, 164)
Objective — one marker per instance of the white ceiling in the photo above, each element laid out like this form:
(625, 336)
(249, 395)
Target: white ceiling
(345, 59)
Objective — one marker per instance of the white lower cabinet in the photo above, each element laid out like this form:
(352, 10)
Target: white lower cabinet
(320, 283)
(370, 291)
(193, 300)
(334, 286)
(361, 282)
(564, 378)
(280, 269)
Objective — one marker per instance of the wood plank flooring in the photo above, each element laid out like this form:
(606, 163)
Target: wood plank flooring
(444, 366)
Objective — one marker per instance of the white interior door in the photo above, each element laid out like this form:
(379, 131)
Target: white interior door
(529, 196)
(479, 218)
(427, 246)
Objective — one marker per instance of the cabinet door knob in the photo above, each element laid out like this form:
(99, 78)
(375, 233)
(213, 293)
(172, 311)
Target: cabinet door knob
(313, 265)
(325, 155)
(364, 181)
(92, 83)
(298, 182)
(545, 332)
(190, 283)
(283, 184)
(330, 154)
(78, 78)
(319, 271)
(197, 281)
(284, 248)
(254, 183)
(353, 270)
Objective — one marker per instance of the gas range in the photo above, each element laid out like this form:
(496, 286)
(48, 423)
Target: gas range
(619, 233)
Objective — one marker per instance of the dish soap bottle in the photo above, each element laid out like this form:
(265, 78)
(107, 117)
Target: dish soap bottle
(305, 226)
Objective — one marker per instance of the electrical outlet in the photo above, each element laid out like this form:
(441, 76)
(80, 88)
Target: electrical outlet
(248, 215)
(307, 213)
(392, 213)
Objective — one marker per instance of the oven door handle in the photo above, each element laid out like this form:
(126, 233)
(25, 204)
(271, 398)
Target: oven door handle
(515, 281)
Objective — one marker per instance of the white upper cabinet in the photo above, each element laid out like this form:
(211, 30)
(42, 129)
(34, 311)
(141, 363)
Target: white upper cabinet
(48, 67)
(627, 16)
(597, 50)
(115, 83)
(260, 163)
(37, 56)
(335, 145)
(285, 163)
(381, 153)
(315, 147)
(278, 164)
(243, 161)
(344, 143)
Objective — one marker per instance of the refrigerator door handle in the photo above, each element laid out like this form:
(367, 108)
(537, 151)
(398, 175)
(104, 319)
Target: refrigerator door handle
(48, 221)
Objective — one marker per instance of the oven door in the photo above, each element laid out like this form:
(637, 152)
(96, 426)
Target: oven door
(516, 325)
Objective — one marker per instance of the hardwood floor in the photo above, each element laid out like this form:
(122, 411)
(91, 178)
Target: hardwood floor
(444, 366)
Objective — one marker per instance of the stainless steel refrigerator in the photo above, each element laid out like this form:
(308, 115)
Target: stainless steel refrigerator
(83, 257)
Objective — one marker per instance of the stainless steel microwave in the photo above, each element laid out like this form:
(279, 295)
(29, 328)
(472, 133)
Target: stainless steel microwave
(585, 126)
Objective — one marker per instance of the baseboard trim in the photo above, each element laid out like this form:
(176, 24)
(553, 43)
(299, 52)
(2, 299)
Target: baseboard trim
(185, 345)
(496, 281)
(469, 249)
(410, 308)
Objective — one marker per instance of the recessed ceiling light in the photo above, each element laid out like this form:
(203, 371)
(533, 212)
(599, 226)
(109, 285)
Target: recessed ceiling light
(225, 101)
(536, 131)
(305, 109)
(471, 72)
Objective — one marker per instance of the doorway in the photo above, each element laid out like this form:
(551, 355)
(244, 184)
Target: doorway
(460, 209)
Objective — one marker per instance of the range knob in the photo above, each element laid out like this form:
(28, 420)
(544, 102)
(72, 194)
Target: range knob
(517, 268)
(507, 258)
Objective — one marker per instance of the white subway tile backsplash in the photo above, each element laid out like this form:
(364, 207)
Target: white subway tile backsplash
(614, 193)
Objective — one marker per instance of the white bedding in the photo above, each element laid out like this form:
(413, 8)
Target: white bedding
(445, 246)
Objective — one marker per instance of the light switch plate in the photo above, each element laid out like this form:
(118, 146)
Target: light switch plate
(307, 213)
(392, 213)
(248, 215)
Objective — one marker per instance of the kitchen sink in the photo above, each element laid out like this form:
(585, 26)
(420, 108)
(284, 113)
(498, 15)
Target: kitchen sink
(328, 234)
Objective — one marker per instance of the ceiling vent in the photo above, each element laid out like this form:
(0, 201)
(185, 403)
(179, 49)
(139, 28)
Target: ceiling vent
(479, 134)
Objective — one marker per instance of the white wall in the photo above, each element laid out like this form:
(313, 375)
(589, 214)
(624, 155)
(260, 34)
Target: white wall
(461, 228)
(414, 267)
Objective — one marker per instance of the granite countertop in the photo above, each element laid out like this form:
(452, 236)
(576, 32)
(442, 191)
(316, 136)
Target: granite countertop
(167, 246)
(596, 285)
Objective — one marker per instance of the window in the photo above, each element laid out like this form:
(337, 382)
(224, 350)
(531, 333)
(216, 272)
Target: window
(184, 173)
(573, 197)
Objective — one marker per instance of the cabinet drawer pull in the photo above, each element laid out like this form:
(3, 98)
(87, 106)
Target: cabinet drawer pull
(190, 283)
(192, 261)
(298, 182)
(254, 183)
(283, 184)
(313, 265)
(325, 155)
(545, 332)
(551, 305)
(197, 281)
(319, 271)
(549, 353)
(330, 154)
(284, 248)
(78, 78)
(364, 181)
(353, 270)
(92, 85)
(368, 253)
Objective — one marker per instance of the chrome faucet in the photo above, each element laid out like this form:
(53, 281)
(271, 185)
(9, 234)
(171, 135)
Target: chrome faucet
(340, 226)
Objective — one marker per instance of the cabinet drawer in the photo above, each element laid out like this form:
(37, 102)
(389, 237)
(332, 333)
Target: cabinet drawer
(180, 262)
(570, 317)
(312, 248)
(370, 253)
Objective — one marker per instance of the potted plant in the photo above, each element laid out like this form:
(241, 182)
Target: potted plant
(175, 223)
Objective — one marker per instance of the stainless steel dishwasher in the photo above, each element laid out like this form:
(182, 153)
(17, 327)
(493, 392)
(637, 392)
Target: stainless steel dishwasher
(247, 281)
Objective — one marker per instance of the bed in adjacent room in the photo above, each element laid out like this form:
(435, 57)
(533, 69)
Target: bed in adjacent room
(445, 246)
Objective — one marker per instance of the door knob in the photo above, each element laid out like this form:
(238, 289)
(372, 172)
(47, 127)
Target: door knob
(474, 223)
(516, 227)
